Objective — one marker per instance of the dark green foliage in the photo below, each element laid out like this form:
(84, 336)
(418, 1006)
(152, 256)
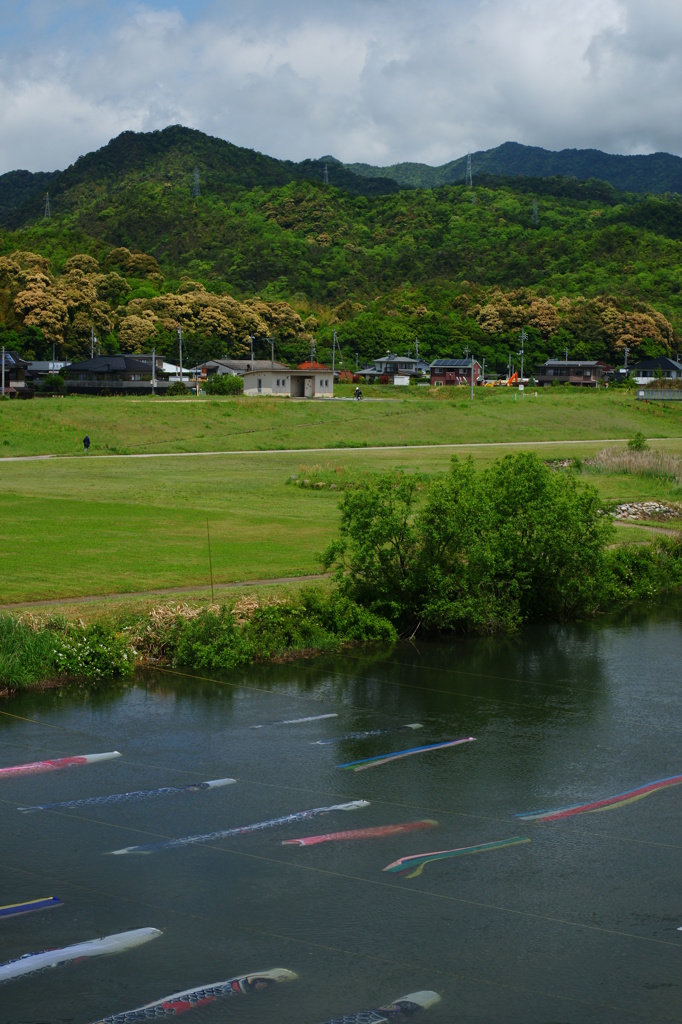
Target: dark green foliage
(638, 572)
(91, 652)
(224, 384)
(475, 552)
(637, 442)
(316, 622)
(177, 388)
(25, 654)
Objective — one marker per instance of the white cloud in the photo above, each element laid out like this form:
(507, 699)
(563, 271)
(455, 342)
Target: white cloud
(379, 81)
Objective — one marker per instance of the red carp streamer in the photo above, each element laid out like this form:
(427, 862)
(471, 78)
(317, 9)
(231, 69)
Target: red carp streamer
(362, 833)
(603, 805)
(60, 762)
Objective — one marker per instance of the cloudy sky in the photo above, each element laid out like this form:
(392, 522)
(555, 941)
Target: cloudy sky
(371, 80)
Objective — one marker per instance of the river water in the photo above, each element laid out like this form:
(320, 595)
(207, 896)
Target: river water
(577, 926)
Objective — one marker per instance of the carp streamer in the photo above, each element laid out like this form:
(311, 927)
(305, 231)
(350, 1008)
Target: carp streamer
(361, 833)
(372, 762)
(410, 867)
(140, 794)
(180, 1002)
(400, 1009)
(35, 767)
(24, 908)
(365, 735)
(272, 823)
(603, 805)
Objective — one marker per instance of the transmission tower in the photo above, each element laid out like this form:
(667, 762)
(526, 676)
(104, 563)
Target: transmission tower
(47, 213)
(535, 213)
(325, 175)
(196, 191)
(469, 181)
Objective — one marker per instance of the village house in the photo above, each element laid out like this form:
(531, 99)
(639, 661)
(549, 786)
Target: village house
(14, 368)
(454, 371)
(662, 368)
(581, 372)
(123, 375)
(398, 369)
(306, 381)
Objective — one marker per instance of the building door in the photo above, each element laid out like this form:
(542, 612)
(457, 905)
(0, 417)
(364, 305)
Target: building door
(309, 387)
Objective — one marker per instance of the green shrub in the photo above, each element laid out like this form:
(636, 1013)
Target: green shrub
(91, 652)
(224, 384)
(178, 388)
(211, 640)
(637, 442)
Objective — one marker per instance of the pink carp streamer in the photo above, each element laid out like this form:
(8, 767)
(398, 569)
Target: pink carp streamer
(361, 833)
(603, 805)
(35, 767)
(372, 762)
(410, 867)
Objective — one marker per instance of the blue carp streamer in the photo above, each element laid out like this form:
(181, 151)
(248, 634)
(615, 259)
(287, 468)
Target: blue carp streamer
(139, 794)
(314, 812)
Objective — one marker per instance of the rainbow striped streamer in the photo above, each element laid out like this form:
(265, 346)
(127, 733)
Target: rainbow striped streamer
(372, 762)
(410, 867)
(24, 908)
(603, 805)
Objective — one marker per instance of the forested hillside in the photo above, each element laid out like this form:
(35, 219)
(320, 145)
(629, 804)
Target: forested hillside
(130, 250)
(655, 172)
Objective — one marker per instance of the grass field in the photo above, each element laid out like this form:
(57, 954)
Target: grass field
(419, 416)
(73, 527)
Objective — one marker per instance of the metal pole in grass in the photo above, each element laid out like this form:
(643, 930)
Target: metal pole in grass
(472, 378)
(154, 371)
(210, 562)
(3, 371)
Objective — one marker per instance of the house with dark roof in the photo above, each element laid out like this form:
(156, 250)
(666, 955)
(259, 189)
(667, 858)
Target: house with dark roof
(392, 366)
(119, 374)
(454, 371)
(580, 372)
(647, 370)
(234, 367)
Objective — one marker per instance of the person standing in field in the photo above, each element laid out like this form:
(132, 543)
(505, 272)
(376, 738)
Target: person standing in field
(86, 443)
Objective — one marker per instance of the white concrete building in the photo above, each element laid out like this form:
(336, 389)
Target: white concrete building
(315, 383)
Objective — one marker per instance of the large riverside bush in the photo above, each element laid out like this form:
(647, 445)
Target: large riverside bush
(224, 384)
(476, 552)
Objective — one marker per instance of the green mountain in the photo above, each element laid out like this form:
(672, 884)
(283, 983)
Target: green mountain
(657, 172)
(162, 156)
(268, 250)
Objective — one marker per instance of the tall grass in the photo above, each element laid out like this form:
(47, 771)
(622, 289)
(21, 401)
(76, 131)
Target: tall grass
(25, 653)
(651, 463)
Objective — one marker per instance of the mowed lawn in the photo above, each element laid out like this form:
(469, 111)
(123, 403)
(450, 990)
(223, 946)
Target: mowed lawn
(74, 527)
(422, 416)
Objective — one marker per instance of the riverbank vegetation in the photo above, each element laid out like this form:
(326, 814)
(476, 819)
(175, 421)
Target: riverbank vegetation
(465, 552)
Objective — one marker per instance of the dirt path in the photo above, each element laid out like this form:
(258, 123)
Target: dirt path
(337, 451)
(645, 526)
(92, 598)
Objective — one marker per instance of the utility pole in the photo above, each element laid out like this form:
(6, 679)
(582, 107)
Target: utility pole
(3, 371)
(472, 376)
(416, 347)
(626, 357)
(356, 363)
(524, 337)
(180, 340)
(565, 355)
(92, 342)
(272, 353)
(483, 370)
(53, 358)
(251, 340)
(312, 352)
(154, 371)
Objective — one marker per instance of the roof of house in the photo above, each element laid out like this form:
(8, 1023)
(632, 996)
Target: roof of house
(455, 364)
(44, 365)
(110, 364)
(660, 363)
(242, 365)
(572, 362)
(391, 357)
(14, 359)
